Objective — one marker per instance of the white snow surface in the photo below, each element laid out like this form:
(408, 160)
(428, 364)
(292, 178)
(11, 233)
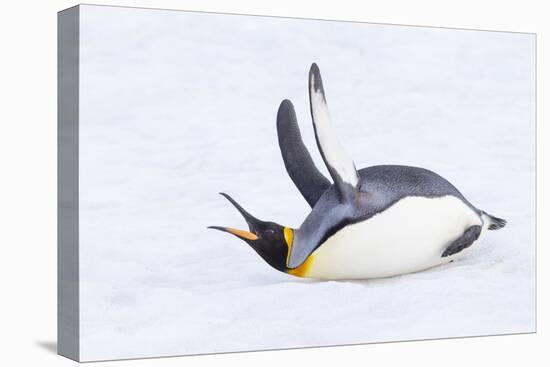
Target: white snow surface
(176, 107)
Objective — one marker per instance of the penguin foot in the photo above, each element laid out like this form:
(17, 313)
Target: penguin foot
(462, 242)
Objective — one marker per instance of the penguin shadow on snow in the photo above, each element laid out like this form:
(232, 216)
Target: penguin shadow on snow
(377, 222)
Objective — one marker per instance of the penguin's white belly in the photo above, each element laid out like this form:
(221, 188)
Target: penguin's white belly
(409, 236)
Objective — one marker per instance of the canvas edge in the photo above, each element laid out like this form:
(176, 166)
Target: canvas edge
(68, 316)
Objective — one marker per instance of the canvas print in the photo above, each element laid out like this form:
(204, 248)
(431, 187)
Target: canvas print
(237, 183)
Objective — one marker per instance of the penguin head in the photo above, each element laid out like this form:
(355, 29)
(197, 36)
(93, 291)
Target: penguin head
(270, 240)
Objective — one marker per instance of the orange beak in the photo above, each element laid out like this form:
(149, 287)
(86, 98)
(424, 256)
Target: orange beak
(245, 235)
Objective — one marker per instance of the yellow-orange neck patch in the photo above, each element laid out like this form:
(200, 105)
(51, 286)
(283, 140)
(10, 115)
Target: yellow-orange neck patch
(289, 238)
(300, 271)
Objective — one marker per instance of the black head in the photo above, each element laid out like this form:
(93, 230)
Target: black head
(270, 240)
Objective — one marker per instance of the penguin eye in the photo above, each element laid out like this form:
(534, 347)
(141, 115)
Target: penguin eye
(269, 232)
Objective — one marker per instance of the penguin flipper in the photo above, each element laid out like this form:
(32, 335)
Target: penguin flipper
(339, 163)
(298, 163)
(462, 242)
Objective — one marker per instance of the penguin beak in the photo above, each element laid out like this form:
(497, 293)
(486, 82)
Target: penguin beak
(245, 235)
(250, 220)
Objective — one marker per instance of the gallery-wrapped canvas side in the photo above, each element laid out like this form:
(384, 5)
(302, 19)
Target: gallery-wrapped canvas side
(67, 176)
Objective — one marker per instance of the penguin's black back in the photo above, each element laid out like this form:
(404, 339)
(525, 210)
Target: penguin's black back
(390, 183)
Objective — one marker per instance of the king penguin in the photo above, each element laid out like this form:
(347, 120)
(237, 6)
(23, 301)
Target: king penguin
(375, 222)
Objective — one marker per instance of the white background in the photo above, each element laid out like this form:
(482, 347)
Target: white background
(28, 189)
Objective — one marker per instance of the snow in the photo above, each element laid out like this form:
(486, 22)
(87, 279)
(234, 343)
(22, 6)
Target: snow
(176, 106)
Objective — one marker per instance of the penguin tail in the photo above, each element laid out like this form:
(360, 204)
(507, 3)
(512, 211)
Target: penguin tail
(494, 222)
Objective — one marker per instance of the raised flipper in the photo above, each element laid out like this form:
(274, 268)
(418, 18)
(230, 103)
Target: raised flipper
(319, 223)
(464, 241)
(339, 163)
(298, 163)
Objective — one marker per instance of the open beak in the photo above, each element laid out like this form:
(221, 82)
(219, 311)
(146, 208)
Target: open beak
(250, 220)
